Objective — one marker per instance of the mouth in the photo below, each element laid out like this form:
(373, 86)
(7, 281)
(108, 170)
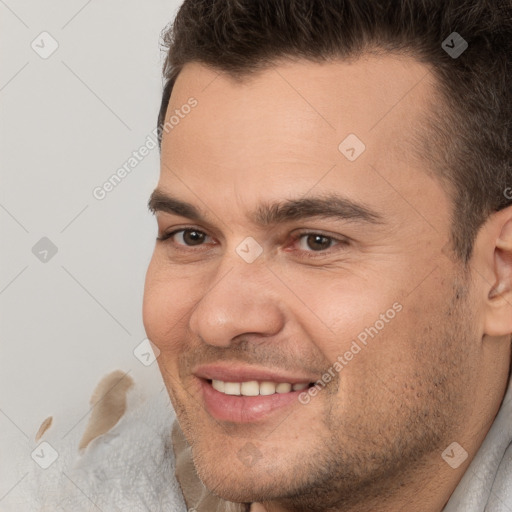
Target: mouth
(244, 395)
(255, 388)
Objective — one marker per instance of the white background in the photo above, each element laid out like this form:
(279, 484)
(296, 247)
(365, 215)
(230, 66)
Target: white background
(68, 122)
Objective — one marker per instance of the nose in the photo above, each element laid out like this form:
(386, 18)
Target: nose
(241, 300)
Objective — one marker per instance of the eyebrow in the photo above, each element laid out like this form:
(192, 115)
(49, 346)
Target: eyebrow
(329, 206)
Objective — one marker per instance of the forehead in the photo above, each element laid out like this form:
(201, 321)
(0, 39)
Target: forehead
(278, 132)
(370, 95)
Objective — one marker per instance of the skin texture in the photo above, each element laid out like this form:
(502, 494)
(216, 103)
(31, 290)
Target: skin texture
(436, 373)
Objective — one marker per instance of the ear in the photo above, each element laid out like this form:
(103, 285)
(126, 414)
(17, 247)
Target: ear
(498, 309)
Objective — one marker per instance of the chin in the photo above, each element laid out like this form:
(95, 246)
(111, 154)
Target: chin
(228, 485)
(224, 475)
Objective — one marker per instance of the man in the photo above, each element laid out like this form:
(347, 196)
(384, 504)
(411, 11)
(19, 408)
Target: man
(331, 287)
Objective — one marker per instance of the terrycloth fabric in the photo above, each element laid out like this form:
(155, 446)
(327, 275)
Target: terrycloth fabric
(130, 468)
(487, 483)
(197, 496)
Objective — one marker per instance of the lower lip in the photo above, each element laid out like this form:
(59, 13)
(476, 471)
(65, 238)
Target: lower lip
(244, 409)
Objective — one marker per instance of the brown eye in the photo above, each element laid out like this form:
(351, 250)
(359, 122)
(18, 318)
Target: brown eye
(191, 236)
(185, 237)
(316, 242)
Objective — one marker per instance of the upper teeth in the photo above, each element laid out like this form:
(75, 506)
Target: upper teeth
(255, 388)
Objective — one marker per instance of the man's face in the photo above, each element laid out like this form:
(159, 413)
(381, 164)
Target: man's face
(356, 294)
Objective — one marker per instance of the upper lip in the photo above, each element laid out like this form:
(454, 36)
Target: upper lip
(239, 373)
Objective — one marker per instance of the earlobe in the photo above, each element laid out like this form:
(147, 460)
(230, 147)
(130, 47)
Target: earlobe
(499, 305)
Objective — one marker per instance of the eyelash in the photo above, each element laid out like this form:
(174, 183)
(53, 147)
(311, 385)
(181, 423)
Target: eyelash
(296, 237)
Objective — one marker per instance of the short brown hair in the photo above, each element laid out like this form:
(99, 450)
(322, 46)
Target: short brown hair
(468, 137)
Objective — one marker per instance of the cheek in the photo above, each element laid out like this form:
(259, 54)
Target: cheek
(162, 305)
(343, 309)
(169, 298)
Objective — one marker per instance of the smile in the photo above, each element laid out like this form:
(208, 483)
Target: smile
(242, 394)
(255, 388)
